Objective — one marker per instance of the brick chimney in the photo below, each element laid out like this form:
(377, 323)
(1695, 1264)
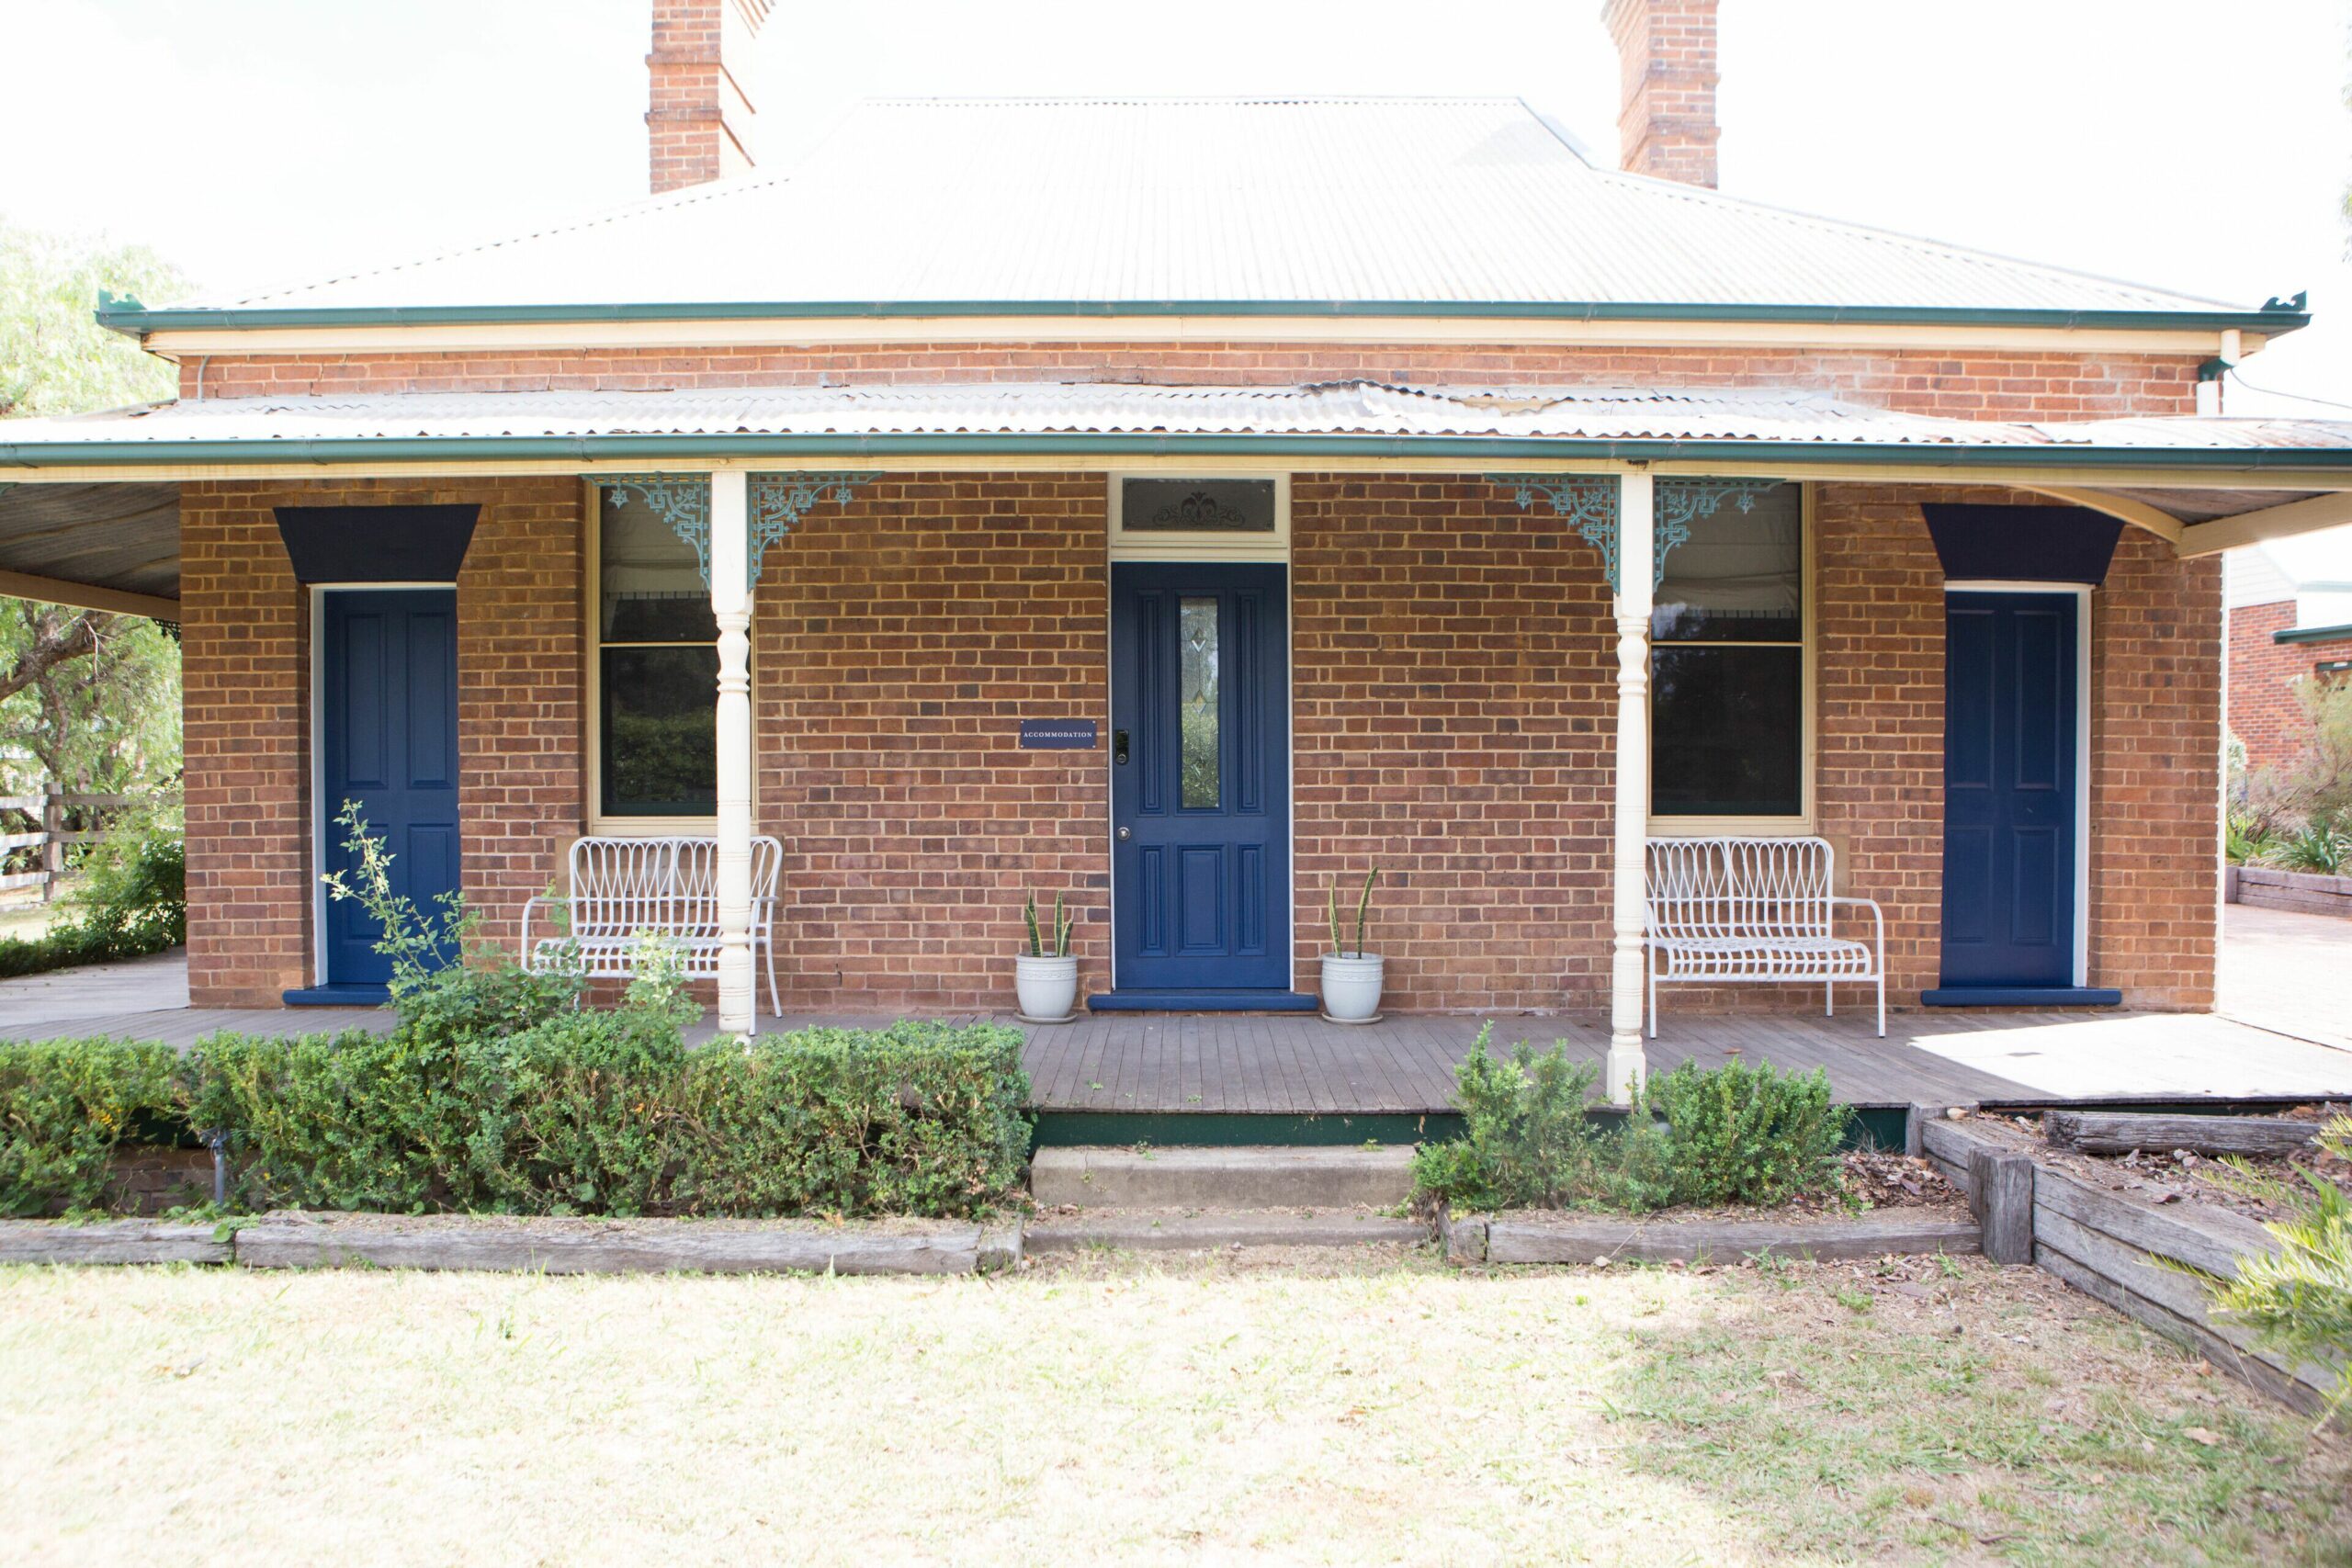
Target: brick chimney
(1666, 120)
(699, 118)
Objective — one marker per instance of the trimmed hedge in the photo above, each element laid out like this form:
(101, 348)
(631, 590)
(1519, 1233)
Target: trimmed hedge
(586, 1113)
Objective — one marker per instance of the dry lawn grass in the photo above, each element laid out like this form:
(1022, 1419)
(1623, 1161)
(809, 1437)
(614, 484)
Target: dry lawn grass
(1112, 1408)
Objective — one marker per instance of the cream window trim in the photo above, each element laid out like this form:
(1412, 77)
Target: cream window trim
(1163, 545)
(592, 761)
(1803, 824)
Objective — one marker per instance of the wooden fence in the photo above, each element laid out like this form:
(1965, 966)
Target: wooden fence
(52, 838)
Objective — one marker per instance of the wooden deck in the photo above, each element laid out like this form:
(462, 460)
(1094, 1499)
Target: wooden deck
(1295, 1064)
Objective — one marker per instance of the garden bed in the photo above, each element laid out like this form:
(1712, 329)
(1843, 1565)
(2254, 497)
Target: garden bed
(2134, 1234)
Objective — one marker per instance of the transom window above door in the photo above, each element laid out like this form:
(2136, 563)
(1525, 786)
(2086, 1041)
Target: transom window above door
(657, 669)
(1729, 704)
(1200, 517)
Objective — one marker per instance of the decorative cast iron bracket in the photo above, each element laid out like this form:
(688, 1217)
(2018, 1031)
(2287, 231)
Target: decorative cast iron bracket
(1587, 502)
(776, 502)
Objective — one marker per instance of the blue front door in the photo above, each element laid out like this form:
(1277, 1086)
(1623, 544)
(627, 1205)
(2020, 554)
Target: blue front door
(1200, 778)
(388, 708)
(2009, 789)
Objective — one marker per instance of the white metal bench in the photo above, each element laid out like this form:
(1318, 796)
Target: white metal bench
(1748, 911)
(624, 889)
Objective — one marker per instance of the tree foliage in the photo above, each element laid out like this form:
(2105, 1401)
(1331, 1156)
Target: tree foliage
(87, 699)
(54, 357)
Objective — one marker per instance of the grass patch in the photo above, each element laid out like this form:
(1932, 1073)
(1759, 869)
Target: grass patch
(1100, 1409)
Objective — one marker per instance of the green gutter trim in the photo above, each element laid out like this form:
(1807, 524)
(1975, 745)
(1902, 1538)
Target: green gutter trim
(134, 319)
(2313, 633)
(1470, 449)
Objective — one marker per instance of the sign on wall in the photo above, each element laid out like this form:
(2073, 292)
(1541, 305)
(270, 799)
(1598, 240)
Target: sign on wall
(1058, 735)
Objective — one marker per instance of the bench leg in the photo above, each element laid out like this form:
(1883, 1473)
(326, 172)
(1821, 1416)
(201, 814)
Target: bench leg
(1653, 1001)
(1830, 998)
(1881, 1002)
(776, 998)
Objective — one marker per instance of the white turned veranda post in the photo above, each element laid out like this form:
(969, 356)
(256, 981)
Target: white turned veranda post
(1636, 565)
(730, 602)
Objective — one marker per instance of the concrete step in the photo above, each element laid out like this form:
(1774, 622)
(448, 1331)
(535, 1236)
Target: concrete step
(1173, 1230)
(1239, 1177)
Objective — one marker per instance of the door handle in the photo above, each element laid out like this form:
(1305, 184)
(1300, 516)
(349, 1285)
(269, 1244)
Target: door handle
(1124, 834)
(1119, 748)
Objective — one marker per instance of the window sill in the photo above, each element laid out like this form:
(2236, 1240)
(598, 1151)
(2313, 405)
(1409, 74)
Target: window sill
(1731, 828)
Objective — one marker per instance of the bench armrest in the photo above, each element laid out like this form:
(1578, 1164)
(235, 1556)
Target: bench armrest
(533, 902)
(1878, 919)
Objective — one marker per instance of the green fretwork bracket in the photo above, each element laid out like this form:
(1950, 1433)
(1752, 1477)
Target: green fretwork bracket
(1587, 502)
(776, 502)
(1679, 501)
(780, 501)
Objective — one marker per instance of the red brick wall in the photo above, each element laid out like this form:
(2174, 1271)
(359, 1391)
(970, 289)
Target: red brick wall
(1452, 713)
(1977, 384)
(896, 644)
(2155, 775)
(251, 870)
(2265, 712)
(1454, 677)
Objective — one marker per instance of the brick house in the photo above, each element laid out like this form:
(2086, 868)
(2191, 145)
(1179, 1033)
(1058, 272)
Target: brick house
(1190, 505)
(2290, 621)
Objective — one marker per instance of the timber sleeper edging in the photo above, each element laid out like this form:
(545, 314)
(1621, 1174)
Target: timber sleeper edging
(294, 1239)
(110, 1241)
(2120, 1249)
(1526, 1236)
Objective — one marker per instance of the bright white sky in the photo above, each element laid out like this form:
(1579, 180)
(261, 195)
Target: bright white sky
(2192, 143)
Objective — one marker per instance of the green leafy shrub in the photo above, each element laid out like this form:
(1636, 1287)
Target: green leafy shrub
(1728, 1134)
(1748, 1134)
(920, 1118)
(2299, 1299)
(65, 1105)
(1530, 1141)
(2319, 846)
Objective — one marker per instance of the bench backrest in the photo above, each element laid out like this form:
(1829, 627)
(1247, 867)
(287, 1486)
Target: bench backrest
(1739, 887)
(620, 886)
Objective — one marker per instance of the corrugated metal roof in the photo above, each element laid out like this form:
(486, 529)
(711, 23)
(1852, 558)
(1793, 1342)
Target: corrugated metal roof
(1460, 202)
(1014, 408)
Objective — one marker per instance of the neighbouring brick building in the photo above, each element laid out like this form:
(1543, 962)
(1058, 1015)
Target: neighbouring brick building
(2287, 626)
(1190, 505)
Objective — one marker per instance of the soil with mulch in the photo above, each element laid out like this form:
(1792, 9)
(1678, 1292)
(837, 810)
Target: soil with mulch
(2177, 1176)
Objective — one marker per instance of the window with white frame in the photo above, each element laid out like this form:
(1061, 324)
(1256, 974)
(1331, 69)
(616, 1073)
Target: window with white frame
(1727, 665)
(657, 669)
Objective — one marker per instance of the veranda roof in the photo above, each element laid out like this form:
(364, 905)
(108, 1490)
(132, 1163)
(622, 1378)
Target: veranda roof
(1329, 418)
(1269, 206)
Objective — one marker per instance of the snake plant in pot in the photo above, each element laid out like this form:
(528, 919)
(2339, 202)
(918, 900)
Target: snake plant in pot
(1351, 977)
(1044, 979)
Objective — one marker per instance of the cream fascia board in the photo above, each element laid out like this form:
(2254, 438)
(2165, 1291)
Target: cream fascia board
(2279, 522)
(1175, 331)
(2013, 477)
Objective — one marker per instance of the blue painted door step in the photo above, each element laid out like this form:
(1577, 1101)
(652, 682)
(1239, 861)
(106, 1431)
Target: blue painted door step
(2022, 996)
(338, 997)
(1203, 1001)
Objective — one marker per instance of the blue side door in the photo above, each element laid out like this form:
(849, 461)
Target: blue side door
(2009, 789)
(1200, 778)
(388, 707)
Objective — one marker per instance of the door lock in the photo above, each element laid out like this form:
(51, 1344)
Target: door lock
(1124, 834)
(1119, 748)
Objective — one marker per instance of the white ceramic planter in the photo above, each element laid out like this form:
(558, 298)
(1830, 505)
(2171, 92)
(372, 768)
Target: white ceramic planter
(1046, 987)
(1350, 986)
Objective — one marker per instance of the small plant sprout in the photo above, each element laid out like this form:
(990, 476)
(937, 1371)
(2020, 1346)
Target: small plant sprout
(1364, 915)
(1063, 922)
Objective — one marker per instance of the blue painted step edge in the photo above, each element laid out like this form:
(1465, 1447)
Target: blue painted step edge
(2022, 996)
(338, 997)
(1204, 1001)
